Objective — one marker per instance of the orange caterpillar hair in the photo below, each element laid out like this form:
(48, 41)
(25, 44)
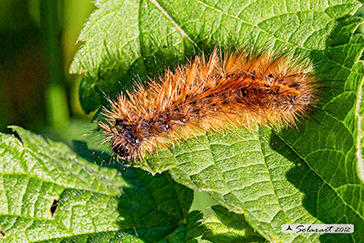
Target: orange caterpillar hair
(241, 89)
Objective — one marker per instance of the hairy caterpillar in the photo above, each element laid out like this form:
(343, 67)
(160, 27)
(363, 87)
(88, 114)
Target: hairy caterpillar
(241, 89)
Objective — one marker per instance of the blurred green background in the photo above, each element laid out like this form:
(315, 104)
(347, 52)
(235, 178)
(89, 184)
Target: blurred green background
(38, 39)
(37, 44)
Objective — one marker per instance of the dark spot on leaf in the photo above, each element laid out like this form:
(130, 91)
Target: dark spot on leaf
(54, 207)
(2, 233)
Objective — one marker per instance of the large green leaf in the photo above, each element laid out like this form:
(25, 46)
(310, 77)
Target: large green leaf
(47, 193)
(127, 39)
(309, 174)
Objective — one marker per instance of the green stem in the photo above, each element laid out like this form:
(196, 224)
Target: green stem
(56, 97)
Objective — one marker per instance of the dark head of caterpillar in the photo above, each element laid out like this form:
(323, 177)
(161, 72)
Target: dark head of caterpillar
(125, 139)
(239, 89)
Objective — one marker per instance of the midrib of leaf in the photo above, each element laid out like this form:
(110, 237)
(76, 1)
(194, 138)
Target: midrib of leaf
(359, 157)
(323, 179)
(179, 28)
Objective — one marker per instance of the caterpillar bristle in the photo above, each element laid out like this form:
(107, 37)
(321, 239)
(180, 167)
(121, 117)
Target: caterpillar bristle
(239, 89)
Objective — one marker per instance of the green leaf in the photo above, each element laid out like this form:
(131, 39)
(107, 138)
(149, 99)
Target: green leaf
(309, 174)
(126, 39)
(228, 227)
(48, 193)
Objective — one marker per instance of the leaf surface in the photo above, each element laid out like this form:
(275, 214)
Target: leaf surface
(49, 194)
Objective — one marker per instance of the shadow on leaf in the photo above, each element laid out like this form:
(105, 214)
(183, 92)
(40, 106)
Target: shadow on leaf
(150, 207)
(323, 149)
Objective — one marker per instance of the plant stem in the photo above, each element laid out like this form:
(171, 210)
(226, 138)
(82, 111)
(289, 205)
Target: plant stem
(56, 97)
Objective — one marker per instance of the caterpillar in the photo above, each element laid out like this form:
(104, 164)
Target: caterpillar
(238, 89)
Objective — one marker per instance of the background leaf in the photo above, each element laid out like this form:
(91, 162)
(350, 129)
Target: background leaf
(308, 174)
(47, 193)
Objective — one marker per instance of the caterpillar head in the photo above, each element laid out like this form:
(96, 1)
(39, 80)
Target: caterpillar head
(124, 139)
